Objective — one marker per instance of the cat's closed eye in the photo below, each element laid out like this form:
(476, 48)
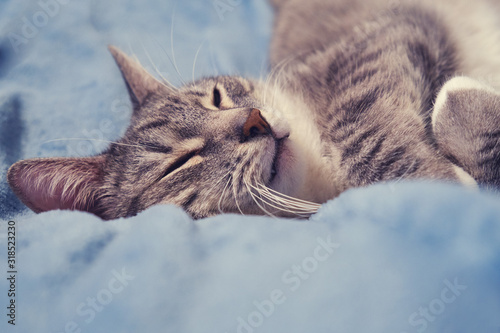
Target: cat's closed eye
(179, 163)
(217, 98)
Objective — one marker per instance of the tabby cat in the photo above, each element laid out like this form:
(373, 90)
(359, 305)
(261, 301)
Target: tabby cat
(360, 92)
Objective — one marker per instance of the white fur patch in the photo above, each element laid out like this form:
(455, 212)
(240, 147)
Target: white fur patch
(465, 178)
(460, 83)
(312, 180)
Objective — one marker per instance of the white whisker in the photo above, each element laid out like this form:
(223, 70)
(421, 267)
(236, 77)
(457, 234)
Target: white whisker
(301, 211)
(262, 70)
(130, 49)
(266, 84)
(289, 206)
(284, 202)
(235, 195)
(165, 82)
(278, 68)
(212, 60)
(96, 140)
(196, 56)
(172, 44)
(268, 81)
(254, 198)
(171, 62)
(223, 193)
(312, 204)
(278, 78)
(278, 206)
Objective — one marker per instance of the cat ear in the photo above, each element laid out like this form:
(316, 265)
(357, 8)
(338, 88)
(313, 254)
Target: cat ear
(58, 183)
(140, 83)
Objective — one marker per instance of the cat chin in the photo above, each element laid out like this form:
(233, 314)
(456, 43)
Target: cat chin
(290, 170)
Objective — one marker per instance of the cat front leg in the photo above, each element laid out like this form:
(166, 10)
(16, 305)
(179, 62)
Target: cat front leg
(466, 126)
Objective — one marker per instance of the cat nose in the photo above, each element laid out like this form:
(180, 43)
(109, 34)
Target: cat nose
(255, 125)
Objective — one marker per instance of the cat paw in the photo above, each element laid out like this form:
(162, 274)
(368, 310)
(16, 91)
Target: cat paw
(466, 127)
(456, 86)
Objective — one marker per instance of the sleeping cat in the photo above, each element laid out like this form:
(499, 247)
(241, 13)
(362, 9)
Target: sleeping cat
(360, 92)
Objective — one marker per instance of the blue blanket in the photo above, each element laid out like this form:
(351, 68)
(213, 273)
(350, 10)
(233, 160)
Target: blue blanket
(405, 257)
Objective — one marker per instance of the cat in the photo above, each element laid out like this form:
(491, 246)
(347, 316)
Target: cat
(359, 92)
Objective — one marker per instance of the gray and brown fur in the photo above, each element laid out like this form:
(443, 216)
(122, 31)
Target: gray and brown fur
(350, 101)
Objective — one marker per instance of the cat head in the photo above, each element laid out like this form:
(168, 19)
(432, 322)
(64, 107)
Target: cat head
(211, 146)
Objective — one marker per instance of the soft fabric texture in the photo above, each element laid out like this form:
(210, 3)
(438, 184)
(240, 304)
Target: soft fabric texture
(405, 257)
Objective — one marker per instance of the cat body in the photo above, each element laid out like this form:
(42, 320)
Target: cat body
(359, 92)
(371, 78)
